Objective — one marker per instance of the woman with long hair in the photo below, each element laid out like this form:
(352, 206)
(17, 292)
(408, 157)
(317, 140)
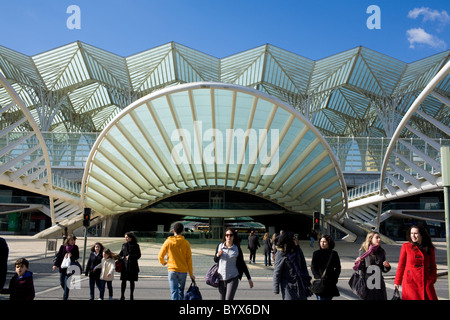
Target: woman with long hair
(68, 250)
(372, 261)
(267, 250)
(417, 271)
(231, 266)
(290, 272)
(93, 270)
(131, 252)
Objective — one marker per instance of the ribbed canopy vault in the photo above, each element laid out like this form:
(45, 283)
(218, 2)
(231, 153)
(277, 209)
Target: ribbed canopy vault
(211, 136)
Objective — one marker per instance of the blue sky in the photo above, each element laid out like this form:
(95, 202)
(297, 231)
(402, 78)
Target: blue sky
(409, 30)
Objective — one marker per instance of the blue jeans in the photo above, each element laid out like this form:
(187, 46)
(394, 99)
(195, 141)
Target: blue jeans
(64, 285)
(177, 281)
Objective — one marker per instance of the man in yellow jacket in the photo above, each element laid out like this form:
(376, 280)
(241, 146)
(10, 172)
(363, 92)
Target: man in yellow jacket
(179, 261)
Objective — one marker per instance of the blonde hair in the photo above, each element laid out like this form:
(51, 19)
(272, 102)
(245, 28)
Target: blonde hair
(368, 240)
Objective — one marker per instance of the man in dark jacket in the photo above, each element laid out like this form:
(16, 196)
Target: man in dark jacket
(253, 245)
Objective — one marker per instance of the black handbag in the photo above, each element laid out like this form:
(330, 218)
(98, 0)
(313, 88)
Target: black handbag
(396, 295)
(193, 293)
(358, 285)
(318, 285)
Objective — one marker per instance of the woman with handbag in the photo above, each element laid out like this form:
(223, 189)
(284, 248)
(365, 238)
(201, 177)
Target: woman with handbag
(231, 266)
(69, 252)
(326, 268)
(417, 271)
(372, 262)
(131, 252)
(290, 272)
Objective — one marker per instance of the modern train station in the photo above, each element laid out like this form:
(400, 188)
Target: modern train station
(264, 139)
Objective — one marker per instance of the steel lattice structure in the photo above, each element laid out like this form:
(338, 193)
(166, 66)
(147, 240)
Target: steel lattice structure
(359, 92)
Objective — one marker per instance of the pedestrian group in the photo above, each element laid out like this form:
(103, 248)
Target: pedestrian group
(416, 272)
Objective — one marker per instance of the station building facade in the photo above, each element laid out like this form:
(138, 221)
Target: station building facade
(174, 132)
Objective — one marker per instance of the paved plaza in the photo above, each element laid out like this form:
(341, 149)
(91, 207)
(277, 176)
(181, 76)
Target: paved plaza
(153, 284)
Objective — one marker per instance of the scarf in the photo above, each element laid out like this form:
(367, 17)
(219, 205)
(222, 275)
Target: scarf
(364, 255)
(69, 248)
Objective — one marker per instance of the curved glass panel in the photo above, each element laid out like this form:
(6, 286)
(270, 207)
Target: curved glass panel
(211, 136)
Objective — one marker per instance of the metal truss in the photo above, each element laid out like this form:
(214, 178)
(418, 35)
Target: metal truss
(25, 162)
(412, 161)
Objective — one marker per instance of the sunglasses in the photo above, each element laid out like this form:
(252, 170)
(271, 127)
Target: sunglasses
(229, 235)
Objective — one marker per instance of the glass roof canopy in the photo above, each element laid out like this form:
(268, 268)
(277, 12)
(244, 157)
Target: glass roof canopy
(359, 92)
(211, 136)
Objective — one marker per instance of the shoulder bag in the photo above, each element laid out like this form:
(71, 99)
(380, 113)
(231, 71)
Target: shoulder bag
(318, 285)
(358, 284)
(212, 277)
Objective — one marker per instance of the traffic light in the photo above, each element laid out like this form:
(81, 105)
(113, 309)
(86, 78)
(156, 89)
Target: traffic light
(87, 217)
(325, 206)
(316, 220)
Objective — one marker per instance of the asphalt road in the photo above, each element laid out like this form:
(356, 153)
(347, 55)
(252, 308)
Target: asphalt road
(152, 288)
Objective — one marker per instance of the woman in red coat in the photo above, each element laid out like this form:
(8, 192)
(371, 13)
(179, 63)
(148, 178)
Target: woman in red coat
(416, 270)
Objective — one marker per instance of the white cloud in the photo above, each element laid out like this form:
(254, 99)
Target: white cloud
(436, 19)
(430, 15)
(420, 36)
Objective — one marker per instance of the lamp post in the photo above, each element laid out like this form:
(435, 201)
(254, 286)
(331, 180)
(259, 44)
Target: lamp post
(445, 170)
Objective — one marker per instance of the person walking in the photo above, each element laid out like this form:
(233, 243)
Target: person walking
(274, 240)
(108, 267)
(253, 245)
(231, 265)
(4, 252)
(372, 261)
(267, 250)
(21, 286)
(417, 271)
(290, 272)
(130, 252)
(179, 261)
(67, 250)
(312, 237)
(93, 268)
(326, 260)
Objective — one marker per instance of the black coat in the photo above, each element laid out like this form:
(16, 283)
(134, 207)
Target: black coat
(73, 258)
(253, 242)
(375, 259)
(131, 266)
(93, 261)
(319, 262)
